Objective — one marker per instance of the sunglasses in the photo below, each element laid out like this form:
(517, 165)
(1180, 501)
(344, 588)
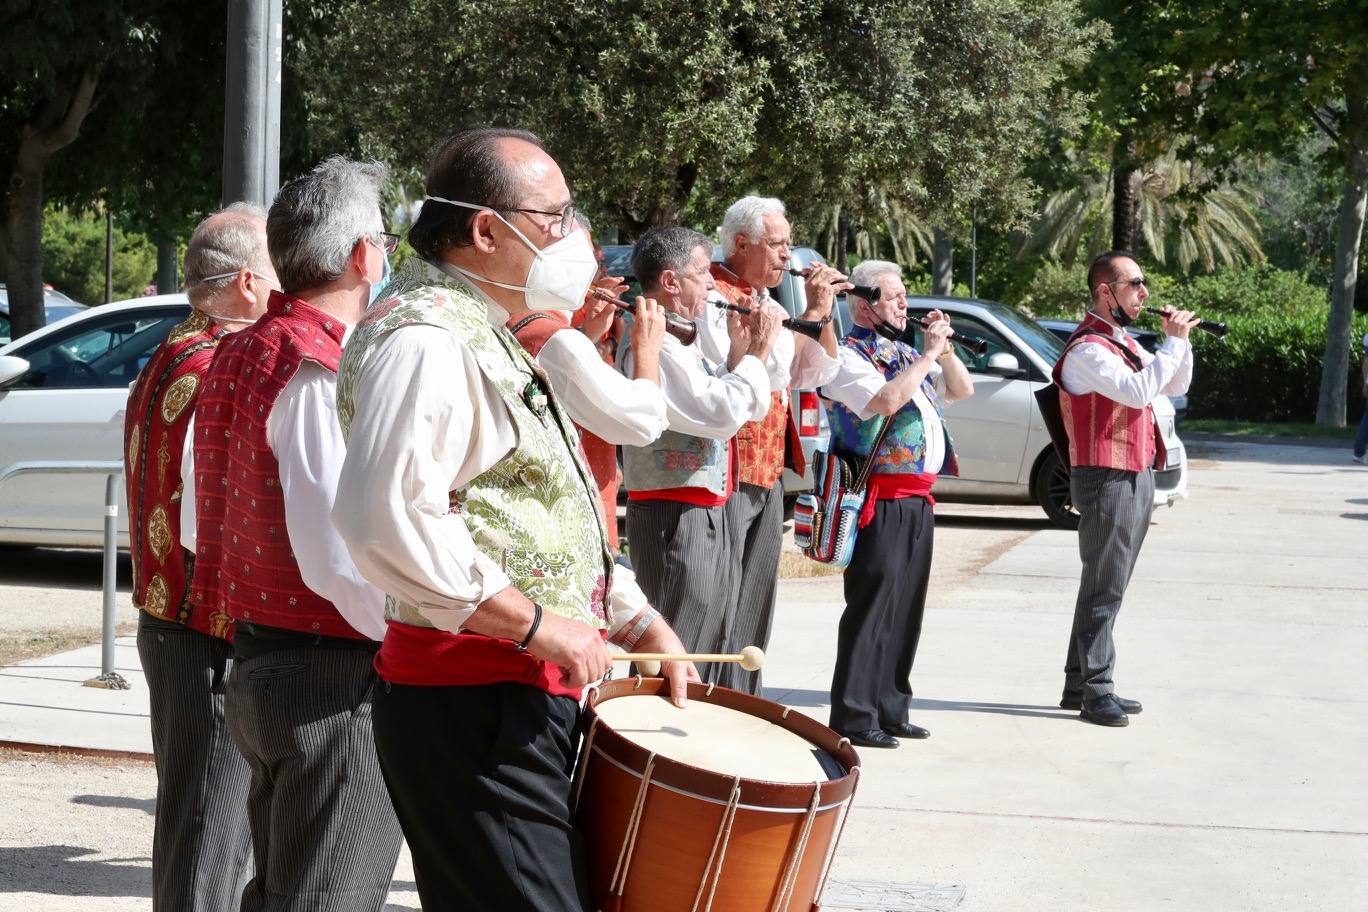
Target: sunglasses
(1135, 282)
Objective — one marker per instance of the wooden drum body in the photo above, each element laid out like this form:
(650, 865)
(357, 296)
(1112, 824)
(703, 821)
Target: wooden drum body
(731, 804)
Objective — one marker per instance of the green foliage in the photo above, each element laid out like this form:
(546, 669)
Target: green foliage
(74, 257)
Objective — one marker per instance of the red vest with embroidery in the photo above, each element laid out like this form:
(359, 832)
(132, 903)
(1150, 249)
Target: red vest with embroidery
(244, 564)
(532, 330)
(764, 446)
(159, 408)
(1103, 432)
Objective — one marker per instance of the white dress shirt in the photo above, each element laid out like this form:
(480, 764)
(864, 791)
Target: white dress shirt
(596, 397)
(711, 402)
(306, 439)
(794, 361)
(1092, 367)
(858, 381)
(428, 421)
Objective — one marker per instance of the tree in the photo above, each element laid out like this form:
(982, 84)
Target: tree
(74, 257)
(661, 111)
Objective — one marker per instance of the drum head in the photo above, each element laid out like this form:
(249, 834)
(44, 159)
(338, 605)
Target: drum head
(717, 739)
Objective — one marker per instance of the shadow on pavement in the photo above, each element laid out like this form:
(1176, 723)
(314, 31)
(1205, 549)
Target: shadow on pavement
(146, 805)
(60, 568)
(798, 697)
(999, 709)
(990, 522)
(60, 870)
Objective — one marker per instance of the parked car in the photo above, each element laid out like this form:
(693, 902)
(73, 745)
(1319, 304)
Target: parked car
(808, 415)
(1005, 453)
(63, 390)
(56, 306)
(1148, 339)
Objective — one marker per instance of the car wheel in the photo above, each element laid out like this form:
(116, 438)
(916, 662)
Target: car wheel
(1052, 492)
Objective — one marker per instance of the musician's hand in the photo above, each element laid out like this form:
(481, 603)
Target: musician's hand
(766, 322)
(823, 283)
(1177, 323)
(660, 638)
(937, 334)
(598, 318)
(648, 325)
(577, 648)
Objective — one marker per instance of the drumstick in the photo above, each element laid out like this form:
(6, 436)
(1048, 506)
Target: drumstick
(750, 658)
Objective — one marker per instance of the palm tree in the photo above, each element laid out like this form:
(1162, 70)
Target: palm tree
(1182, 220)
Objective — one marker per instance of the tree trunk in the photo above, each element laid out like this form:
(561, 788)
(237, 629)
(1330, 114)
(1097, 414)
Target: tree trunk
(1125, 206)
(1330, 405)
(842, 249)
(942, 264)
(168, 273)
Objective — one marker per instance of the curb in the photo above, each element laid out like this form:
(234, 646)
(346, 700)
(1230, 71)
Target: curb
(1264, 439)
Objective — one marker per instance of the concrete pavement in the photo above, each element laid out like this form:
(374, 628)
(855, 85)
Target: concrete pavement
(1241, 785)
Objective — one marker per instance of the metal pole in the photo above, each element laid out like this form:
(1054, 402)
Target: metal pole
(973, 255)
(111, 566)
(109, 254)
(251, 122)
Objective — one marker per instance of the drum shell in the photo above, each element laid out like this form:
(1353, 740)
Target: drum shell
(685, 808)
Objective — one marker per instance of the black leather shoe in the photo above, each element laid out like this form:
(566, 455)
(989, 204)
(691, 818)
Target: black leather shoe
(875, 737)
(1075, 702)
(1104, 710)
(907, 730)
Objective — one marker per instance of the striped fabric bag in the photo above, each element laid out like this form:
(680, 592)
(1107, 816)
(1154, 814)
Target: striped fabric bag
(826, 519)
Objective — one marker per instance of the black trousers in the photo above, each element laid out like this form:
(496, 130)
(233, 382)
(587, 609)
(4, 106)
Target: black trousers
(481, 779)
(201, 844)
(885, 596)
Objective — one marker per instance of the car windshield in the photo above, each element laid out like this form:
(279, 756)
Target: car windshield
(1045, 343)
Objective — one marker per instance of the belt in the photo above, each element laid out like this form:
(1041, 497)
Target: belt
(252, 640)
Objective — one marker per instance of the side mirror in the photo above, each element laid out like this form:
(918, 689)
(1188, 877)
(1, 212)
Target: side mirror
(11, 369)
(1003, 363)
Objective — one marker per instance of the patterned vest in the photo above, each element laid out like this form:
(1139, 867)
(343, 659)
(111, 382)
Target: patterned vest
(537, 512)
(1102, 431)
(678, 460)
(159, 408)
(760, 444)
(244, 564)
(532, 330)
(904, 448)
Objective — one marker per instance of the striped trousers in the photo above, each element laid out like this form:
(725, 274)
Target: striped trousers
(685, 560)
(756, 517)
(1114, 507)
(201, 846)
(323, 830)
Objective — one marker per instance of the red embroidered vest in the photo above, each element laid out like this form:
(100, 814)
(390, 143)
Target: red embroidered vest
(244, 564)
(1102, 431)
(159, 408)
(765, 446)
(532, 330)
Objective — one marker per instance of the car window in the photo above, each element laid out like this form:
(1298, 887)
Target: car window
(105, 352)
(965, 325)
(4, 328)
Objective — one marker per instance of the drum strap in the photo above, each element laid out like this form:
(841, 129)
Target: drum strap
(840, 831)
(624, 864)
(781, 902)
(719, 849)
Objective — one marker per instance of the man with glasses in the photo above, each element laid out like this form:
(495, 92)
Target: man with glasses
(267, 452)
(200, 842)
(755, 248)
(463, 496)
(1107, 382)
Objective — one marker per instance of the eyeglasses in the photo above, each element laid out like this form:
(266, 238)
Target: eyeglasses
(228, 275)
(1134, 282)
(388, 242)
(566, 216)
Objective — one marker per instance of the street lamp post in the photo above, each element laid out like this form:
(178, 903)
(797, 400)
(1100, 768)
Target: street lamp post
(251, 127)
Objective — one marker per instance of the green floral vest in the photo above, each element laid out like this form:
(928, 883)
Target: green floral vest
(537, 513)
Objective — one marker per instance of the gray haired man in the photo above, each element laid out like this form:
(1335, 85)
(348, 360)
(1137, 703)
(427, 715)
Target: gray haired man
(200, 842)
(267, 453)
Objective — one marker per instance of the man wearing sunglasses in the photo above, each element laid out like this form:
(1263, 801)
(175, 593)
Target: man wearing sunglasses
(267, 452)
(1107, 382)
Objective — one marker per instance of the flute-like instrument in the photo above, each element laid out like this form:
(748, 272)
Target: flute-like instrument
(870, 293)
(683, 330)
(810, 328)
(975, 345)
(1211, 326)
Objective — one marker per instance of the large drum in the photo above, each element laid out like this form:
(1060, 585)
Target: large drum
(731, 804)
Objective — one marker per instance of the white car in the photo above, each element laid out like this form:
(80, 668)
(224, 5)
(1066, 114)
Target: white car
(63, 391)
(1005, 454)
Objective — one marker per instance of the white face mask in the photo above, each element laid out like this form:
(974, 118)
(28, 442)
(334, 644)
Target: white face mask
(560, 274)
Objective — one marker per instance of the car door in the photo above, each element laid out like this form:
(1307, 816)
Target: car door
(70, 406)
(990, 429)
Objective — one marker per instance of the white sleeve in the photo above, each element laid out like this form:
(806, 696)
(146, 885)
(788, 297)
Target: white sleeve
(427, 422)
(303, 433)
(857, 381)
(812, 366)
(703, 405)
(625, 600)
(713, 340)
(598, 398)
(1182, 378)
(1092, 367)
(188, 528)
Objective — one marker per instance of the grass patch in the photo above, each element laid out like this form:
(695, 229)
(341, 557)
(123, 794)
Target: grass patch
(23, 645)
(1264, 429)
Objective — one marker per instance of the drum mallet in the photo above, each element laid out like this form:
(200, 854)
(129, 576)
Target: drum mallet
(751, 658)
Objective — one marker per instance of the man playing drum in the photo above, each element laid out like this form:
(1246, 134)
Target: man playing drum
(464, 498)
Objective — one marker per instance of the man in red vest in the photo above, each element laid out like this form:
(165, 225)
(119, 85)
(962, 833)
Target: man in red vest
(267, 453)
(1107, 382)
(755, 239)
(200, 843)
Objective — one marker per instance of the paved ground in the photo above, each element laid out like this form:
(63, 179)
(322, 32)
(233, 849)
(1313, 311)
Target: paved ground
(1241, 786)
